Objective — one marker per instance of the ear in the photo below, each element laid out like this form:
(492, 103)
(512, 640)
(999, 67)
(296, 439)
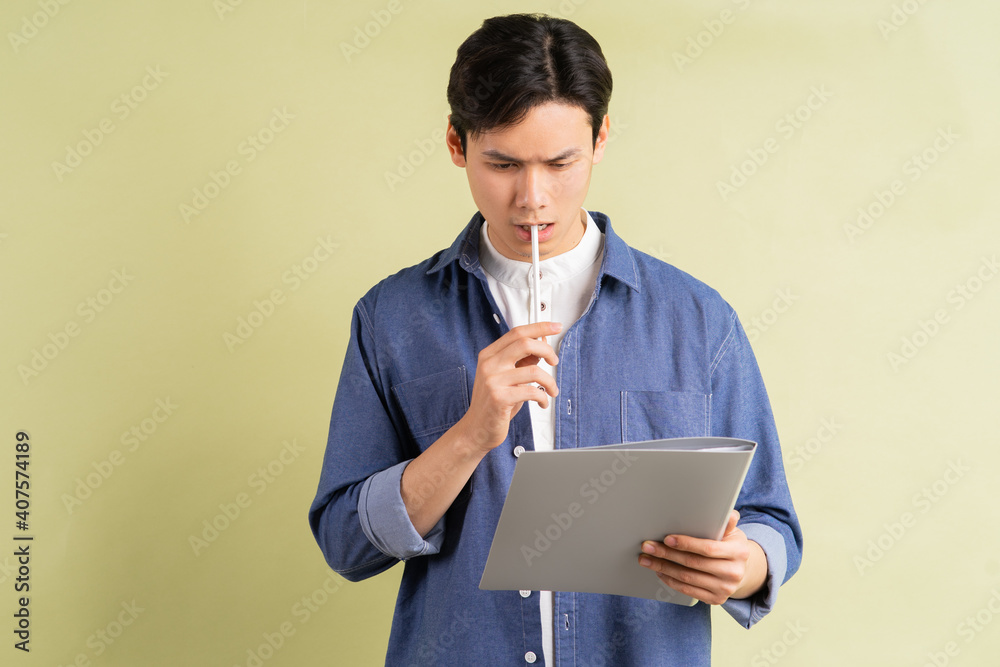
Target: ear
(602, 139)
(454, 144)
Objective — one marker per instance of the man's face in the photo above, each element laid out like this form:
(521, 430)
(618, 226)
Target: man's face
(535, 173)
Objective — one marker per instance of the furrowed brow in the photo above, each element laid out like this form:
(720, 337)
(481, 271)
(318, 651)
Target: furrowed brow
(494, 154)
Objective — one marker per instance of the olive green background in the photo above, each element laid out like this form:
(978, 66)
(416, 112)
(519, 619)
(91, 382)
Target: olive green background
(350, 182)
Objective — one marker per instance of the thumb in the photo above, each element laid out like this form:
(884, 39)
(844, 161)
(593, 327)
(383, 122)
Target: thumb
(734, 518)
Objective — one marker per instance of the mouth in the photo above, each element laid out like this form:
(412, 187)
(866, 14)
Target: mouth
(545, 231)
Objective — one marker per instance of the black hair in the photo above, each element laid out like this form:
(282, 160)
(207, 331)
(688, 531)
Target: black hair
(514, 63)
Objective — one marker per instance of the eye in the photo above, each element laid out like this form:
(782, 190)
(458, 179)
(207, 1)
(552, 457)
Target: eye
(501, 166)
(560, 165)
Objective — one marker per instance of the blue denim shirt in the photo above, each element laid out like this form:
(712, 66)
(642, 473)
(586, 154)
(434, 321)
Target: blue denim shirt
(657, 354)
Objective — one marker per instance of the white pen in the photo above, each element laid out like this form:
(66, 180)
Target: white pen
(533, 284)
(535, 315)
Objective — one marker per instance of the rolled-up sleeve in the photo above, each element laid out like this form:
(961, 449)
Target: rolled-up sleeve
(357, 515)
(749, 610)
(741, 409)
(387, 524)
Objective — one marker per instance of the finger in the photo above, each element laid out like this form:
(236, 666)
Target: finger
(699, 546)
(691, 577)
(659, 556)
(681, 544)
(687, 576)
(516, 351)
(528, 331)
(522, 348)
(502, 393)
(518, 394)
(719, 577)
(542, 398)
(692, 551)
(529, 375)
(538, 329)
(706, 595)
(530, 360)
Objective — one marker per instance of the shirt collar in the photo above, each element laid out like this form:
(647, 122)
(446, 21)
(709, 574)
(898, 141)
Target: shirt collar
(515, 273)
(618, 262)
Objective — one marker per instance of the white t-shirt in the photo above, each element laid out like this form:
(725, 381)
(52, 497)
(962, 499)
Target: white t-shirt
(567, 285)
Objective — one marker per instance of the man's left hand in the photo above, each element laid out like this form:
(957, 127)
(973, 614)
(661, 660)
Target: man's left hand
(708, 570)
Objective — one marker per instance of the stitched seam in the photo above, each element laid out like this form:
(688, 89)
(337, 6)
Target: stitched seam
(723, 348)
(465, 386)
(366, 320)
(624, 416)
(708, 414)
(635, 271)
(437, 428)
(374, 561)
(576, 617)
(576, 391)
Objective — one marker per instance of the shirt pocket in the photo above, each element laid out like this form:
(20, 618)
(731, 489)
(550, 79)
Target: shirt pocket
(432, 404)
(652, 415)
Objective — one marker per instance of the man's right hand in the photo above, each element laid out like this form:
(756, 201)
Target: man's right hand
(508, 375)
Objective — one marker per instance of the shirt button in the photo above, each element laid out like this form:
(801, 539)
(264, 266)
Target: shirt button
(529, 656)
(518, 451)
(496, 317)
(525, 594)
(543, 305)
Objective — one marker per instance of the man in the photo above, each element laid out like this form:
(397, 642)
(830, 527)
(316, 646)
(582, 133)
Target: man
(444, 385)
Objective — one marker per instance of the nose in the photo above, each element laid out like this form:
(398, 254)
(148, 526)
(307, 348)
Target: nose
(532, 188)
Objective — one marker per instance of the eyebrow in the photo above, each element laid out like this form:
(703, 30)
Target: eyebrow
(497, 155)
